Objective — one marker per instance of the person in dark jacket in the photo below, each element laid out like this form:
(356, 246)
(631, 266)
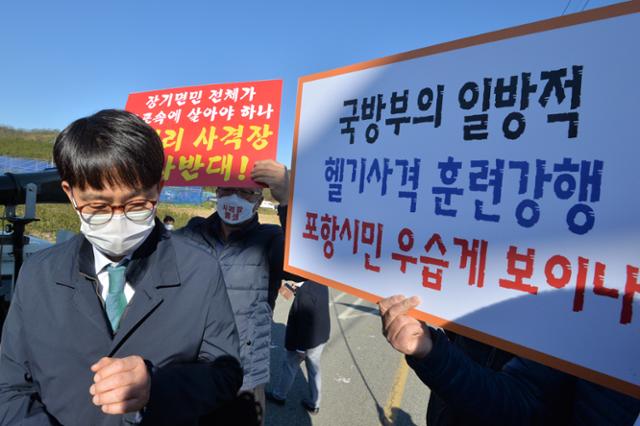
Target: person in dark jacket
(520, 392)
(251, 256)
(439, 413)
(308, 329)
(124, 323)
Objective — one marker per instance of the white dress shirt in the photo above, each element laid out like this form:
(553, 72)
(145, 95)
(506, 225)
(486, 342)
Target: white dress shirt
(101, 264)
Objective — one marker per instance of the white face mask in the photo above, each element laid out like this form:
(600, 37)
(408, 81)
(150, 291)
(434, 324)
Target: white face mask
(233, 209)
(168, 226)
(118, 237)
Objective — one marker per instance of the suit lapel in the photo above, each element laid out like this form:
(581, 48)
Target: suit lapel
(142, 305)
(79, 274)
(88, 303)
(152, 268)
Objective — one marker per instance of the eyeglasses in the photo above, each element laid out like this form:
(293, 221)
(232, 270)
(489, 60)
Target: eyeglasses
(243, 192)
(100, 213)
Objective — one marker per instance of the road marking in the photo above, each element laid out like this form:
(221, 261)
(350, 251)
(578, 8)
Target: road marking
(397, 391)
(338, 297)
(351, 309)
(341, 379)
(353, 312)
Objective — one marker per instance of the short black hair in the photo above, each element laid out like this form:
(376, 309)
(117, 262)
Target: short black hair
(111, 147)
(168, 218)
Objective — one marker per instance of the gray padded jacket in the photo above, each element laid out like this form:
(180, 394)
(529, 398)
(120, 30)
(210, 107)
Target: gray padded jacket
(251, 264)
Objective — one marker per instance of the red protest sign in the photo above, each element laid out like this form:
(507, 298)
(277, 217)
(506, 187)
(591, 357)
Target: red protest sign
(213, 134)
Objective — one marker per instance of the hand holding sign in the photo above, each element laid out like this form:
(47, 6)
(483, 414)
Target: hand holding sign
(275, 176)
(406, 334)
(121, 385)
(497, 191)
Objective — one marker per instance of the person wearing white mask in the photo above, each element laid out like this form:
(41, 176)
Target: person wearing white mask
(251, 257)
(169, 222)
(125, 323)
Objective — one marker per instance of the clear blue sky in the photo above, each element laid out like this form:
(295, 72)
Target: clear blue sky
(60, 60)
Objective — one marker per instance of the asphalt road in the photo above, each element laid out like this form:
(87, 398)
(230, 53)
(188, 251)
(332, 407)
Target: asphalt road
(364, 381)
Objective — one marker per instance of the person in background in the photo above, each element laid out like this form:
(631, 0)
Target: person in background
(519, 392)
(124, 323)
(169, 222)
(308, 330)
(251, 256)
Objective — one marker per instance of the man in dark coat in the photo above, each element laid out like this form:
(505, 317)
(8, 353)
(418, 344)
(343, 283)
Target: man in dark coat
(308, 329)
(124, 323)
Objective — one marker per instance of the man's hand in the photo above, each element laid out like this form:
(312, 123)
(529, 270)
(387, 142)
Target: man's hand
(121, 385)
(275, 176)
(406, 334)
(286, 292)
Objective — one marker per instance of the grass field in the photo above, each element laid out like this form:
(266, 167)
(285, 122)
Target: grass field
(37, 144)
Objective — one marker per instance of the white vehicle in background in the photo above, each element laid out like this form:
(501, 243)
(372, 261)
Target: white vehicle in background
(268, 205)
(209, 196)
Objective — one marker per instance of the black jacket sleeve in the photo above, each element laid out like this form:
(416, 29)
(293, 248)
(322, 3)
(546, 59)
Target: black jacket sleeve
(276, 260)
(182, 392)
(522, 393)
(282, 214)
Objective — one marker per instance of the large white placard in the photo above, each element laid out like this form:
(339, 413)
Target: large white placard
(496, 178)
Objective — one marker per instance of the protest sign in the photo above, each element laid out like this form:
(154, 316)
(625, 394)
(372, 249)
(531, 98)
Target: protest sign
(213, 134)
(494, 177)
